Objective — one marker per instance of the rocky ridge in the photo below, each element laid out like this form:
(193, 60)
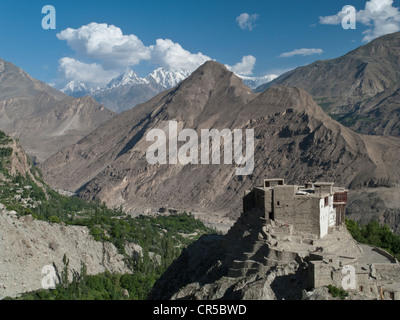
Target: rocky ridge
(359, 89)
(27, 245)
(41, 117)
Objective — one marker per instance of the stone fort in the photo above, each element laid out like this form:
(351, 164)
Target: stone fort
(307, 223)
(312, 208)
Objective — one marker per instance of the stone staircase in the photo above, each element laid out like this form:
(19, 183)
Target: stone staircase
(260, 260)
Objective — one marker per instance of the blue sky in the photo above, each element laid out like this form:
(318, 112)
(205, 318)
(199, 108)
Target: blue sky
(249, 36)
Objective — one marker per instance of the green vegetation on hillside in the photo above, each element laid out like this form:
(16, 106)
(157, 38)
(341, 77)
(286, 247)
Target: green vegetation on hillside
(337, 293)
(104, 286)
(5, 152)
(375, 234)
(161, 237)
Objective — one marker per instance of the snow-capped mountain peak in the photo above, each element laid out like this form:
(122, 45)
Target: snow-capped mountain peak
(157, 81)
(164, 78)
(129, 77)
(167, 78)
(76, 88)
(75, 85)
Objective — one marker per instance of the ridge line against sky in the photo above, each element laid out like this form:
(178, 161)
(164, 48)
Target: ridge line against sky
(95, 41)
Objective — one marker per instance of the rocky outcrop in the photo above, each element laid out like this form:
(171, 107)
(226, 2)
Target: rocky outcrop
(28, 245)
(240, 265)
(265, 260)
(20, 164)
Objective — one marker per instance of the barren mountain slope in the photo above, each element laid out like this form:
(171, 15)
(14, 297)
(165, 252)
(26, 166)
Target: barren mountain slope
(15, 82)
(28, 245)
(294, 139)
(44, 119)
(359, 89)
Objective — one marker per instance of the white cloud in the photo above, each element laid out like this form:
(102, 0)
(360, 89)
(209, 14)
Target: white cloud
(92, 74)
(113, 51)
(301, 52)
(172, 56)
(244, 67)
(110, 52)
(246, 21)
(379, 15)
(333, 20)
(106, 43)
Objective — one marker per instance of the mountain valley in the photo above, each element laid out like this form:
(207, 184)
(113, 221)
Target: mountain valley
(76, 181)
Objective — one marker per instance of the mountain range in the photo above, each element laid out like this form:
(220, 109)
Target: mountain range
(128, 89)
(294, 139)
(41, 117)
(360, 89)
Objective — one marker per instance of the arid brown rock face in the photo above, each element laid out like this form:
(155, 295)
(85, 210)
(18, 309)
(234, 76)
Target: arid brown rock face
(41, 117)
(361, 89)
(28, 245)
